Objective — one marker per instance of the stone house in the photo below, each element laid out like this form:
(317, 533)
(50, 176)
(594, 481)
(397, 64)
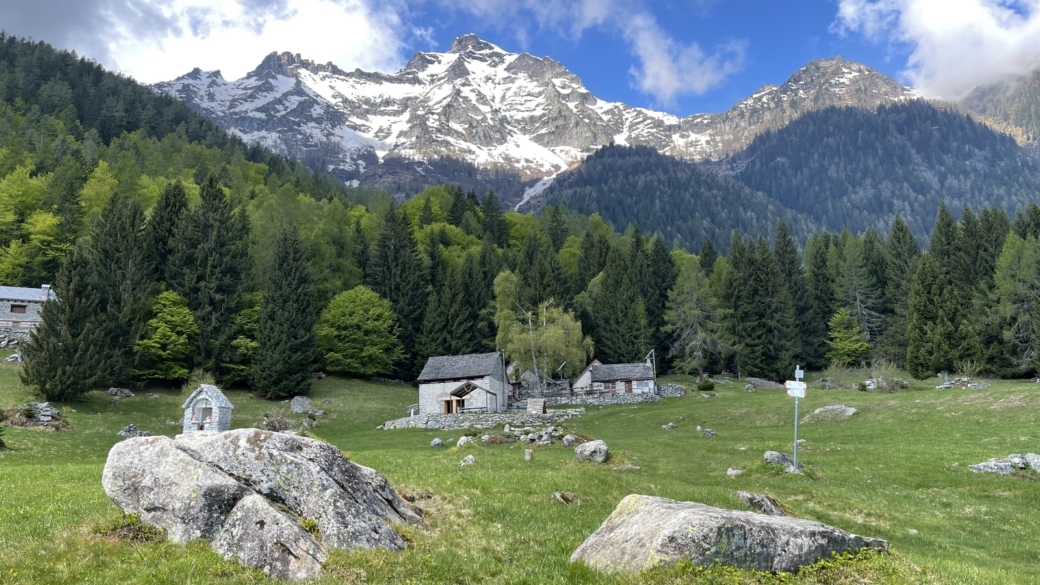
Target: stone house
(207, 409)
(598, 378)
(20, 306)
(455, 384)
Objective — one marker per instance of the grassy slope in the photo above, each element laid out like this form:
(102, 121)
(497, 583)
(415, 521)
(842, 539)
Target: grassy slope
(899, 464)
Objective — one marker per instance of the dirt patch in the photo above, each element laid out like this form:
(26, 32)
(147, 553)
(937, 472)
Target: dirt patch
(16, 417)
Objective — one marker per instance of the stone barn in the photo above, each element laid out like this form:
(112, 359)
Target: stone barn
(207, 409)
(455, 384)
(20, 307)
(598, 378)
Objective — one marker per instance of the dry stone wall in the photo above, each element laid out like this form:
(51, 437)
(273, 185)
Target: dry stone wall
(481, 420)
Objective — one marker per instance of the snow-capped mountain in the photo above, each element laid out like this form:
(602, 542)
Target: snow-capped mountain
(494, 109)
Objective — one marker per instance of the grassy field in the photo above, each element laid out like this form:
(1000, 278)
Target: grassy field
(895, 470)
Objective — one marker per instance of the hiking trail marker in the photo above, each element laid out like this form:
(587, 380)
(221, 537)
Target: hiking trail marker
(796, 389)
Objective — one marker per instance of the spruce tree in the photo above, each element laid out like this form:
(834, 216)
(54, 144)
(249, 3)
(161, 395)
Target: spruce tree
(860, 293)
(557, 227)
(902, 253)
(707, 257)
(426, 214)
(490, 263)
(594, 251)
(63, 359)
(619, 315)
(494, 222)
(395, 273)
(818, 278)
(479, 308)
(846, 341)
(282, 363)
(123, 274)
(931, 334)
(811, 330)
(769, 334)
(737, 300)
(660, 277)
(968, 267)
(943, 242)
(208, 267)
(161, 229)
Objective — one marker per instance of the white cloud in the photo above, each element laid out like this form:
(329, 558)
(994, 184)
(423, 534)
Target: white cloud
(667, 68)
(234, 36)
(954, 44)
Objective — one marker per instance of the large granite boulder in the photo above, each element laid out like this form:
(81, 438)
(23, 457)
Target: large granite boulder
(646, 531)
(194, 487)
(595, 451)
(259, 535)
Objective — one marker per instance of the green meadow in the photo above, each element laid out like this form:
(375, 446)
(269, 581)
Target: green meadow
(898, 470)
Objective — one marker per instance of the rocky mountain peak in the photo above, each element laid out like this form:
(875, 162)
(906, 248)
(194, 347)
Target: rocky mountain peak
(287, 64)
(472, 43)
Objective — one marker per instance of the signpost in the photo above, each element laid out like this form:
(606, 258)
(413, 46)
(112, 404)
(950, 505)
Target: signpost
(797, 390)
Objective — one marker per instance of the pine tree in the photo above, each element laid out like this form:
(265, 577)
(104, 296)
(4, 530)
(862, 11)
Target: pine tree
(769, 333)
(557, 227)
(708, 256)
(161, 229)
(968, 270)
(943, 243)
(594, 251)
(737, 299)
(859, 290)
(931, 335)
(902, 254)
(395, 273)
(819, 280)
(489, 262)
(479, 309)
(208, 267)
(63, 358)
(660, 277)
(426, 214)
(434, 337)
(282, 363)
(811, 331)
(619, 315)
(123, 274)
(494, 222)
(846, 341)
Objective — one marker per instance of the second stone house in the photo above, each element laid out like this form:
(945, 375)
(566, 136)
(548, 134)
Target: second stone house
(597, 378)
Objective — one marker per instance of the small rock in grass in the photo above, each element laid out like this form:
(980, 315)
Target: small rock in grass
(596, 451)
(761, 503)
(668, 426)
(836, 409)
(467, 460)
(484, 439)
(131, 430)
(436, 443)
(463, 441)
(709, 433)
(913, 532)
(775, 458)
(734, 472)
(699, 429)
(569, 441)
(627, 467)
(528, 454)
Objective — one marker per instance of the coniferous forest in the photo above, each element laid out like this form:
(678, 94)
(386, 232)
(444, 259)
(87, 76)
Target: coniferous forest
(173, 247)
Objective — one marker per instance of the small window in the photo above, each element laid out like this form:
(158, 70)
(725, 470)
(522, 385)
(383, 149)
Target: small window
(18, 308)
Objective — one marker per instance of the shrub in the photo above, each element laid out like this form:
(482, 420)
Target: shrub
(311, 526)
(275, 422)
(197, 378)
(706, 385)
(966, 368)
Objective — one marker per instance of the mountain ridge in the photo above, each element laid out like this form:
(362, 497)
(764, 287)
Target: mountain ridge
(493, 109)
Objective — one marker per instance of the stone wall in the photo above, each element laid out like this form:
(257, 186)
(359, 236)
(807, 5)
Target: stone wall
(481, 420)
(601, 399)
(10, 337)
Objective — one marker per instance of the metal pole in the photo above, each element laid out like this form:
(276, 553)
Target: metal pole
(796, 433)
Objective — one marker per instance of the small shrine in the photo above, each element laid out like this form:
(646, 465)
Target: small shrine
(207, 409)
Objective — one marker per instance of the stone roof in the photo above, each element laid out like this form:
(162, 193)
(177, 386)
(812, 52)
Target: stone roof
(614, 372)
(21, 293)
(460, 367)
(213, 393)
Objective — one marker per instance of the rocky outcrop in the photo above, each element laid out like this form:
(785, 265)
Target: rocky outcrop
(249, 490)
(1008, 465)
(644, 532)
(595, 451)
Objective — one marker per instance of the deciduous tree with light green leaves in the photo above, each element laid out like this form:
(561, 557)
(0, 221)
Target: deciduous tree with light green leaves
(358, 334)
(846, 339)
(171, 337)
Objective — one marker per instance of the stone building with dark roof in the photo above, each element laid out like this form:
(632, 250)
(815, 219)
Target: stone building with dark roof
(455, 384)
(20, 306)
(599, 378)
(207, 409)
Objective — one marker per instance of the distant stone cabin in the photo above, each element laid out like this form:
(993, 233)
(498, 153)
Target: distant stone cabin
(207, 409)
(599, 378)
(455, 384)
(20, 306)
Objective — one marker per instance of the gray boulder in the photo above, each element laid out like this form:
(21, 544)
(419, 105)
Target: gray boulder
(467, 460)
(194, 486)
(463, 441)
(1008, 465)
(312, 479)
(436, 443)
(761, 503)
(775, 458)
(570, 440)
(131, 430)
(257, 534)
(300, 405)
(151, 477)
(120, 392)
(596, 451)
(836, 410)
(645, 531)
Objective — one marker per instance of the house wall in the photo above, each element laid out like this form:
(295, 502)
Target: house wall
(431, 393)
(584, 381)
(27, 320)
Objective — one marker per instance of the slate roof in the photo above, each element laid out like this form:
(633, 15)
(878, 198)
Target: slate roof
(614, 372)
(213, 393)
(460, 367)
(21, 293)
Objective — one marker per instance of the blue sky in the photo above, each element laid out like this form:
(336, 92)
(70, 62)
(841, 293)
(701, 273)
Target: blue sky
(683, 56)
